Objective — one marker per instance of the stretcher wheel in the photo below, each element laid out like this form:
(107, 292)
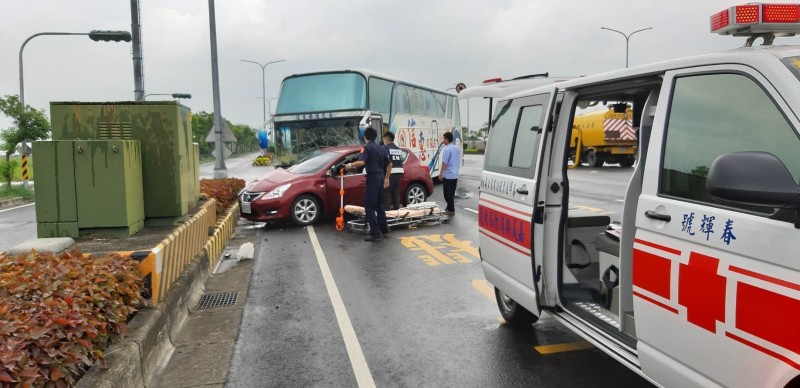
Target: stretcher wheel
(349, 228)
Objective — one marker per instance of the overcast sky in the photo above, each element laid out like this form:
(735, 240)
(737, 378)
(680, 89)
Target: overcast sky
(432, 42)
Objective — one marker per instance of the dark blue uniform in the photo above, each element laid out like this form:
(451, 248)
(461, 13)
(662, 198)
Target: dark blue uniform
(375, 160)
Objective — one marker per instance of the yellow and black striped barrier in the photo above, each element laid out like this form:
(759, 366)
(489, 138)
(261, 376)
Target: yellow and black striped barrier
(25, 167)
(164, 264)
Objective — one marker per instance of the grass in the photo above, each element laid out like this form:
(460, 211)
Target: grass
(14, 192)
(18, 168)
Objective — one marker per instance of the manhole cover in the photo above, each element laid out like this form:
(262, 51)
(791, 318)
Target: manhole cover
(222, 299)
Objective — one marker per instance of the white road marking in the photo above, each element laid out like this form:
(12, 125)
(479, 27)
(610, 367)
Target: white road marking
(471, 210)
(357, 360)
(621, 200)
(18, 207)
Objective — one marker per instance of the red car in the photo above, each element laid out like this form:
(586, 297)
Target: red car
(309, 190)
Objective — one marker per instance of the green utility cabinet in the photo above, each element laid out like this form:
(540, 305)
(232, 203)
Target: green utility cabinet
(56, 200)
(108, 179)
(88, 187)
(164, 130)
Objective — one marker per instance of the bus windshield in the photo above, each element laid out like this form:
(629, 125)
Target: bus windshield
(295, 140)
(322, 93)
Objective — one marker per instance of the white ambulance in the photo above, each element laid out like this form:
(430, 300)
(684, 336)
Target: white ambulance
(695, 280)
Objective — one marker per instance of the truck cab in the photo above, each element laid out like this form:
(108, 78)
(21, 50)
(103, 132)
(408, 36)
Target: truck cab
(687, 273)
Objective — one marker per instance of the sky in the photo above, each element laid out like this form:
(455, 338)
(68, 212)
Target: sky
(433, 43)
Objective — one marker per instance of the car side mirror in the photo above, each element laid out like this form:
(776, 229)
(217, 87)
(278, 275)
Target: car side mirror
(752, 178)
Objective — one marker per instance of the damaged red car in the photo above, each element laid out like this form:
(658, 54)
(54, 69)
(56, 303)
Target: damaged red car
(309, 190)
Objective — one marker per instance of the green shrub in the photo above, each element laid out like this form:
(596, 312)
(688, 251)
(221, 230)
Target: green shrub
(59, 312)
(7, 169)
(15, 191)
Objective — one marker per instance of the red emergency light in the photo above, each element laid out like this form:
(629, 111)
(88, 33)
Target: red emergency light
(757, 19)
(492, 81)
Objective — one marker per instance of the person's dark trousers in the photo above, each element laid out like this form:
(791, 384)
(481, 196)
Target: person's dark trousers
(391, 195)
(373, 205)
(449, 191)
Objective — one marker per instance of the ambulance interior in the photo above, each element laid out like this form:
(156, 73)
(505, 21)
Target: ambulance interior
(596, 269)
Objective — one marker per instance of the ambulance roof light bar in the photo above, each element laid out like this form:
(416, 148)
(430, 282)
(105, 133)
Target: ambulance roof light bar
(757, 20)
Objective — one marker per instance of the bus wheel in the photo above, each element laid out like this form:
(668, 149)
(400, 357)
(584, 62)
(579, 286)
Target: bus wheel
(512, 312)
(305, 210)
(415, 193)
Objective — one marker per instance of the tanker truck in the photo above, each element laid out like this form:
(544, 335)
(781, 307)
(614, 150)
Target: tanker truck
(604, 137)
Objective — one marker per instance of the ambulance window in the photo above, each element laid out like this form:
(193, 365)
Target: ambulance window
(501, 136)
(527, 141)
(715, 114)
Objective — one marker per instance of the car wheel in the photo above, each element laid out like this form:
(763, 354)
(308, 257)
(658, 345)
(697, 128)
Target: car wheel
(512, 312)
(305, 210)
(415, 193)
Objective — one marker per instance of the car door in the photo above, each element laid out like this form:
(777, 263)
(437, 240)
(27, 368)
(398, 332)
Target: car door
(507, 197)
(715, 283)
(355, 182)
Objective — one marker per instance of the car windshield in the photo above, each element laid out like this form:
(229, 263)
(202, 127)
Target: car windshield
(314, 162)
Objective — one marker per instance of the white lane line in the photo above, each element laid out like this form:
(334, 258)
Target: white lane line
(18, 207)
(471, 210)
(357, 360)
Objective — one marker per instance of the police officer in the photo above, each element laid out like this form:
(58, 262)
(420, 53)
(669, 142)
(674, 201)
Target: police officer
(376, 162)
(396, 156)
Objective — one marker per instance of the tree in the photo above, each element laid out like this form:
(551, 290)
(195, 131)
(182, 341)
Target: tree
(29, 123)
(483, 132)
(201, 125)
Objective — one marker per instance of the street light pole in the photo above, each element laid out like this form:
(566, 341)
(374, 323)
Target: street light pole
(627, 39)
(220, 171)
(263, 82)
(94, 35)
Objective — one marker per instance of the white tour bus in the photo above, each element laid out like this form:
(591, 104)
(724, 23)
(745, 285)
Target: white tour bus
(694, 281)
(325, 109)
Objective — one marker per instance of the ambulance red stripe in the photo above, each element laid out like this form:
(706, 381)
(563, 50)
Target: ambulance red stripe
(652, 273)
(770, 279)
(657, 303)
(659, 247)
(483, 232)
(768, 315)
(764, 350)
(520, 212)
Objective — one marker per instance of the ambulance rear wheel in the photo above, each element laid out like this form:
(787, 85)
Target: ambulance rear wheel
(513, 312)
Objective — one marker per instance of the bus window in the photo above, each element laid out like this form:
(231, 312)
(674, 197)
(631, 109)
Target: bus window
(430, 103)
(457, 114)
(400, 99)
(322, 92)
(441, 102)
(416, 101)
(380, 96)
(450, 107)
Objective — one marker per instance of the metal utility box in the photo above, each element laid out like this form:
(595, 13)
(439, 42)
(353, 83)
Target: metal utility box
(164, 130)
(88, 186)
(108, 182)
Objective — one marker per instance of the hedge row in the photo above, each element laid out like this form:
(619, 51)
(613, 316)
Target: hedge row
(223, 190)
(59, 312)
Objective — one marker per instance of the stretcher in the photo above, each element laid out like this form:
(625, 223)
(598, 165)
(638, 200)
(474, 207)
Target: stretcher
(410, 216)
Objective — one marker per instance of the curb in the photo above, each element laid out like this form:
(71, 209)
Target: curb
(11, 202)
(136, 359)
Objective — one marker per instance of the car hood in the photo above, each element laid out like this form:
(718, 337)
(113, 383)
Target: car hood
(274, 179)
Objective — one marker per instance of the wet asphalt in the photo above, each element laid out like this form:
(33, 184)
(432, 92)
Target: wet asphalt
(421, 318)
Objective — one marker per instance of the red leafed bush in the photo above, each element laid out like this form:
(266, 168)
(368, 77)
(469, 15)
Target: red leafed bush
(59, 312)
(223, 190)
